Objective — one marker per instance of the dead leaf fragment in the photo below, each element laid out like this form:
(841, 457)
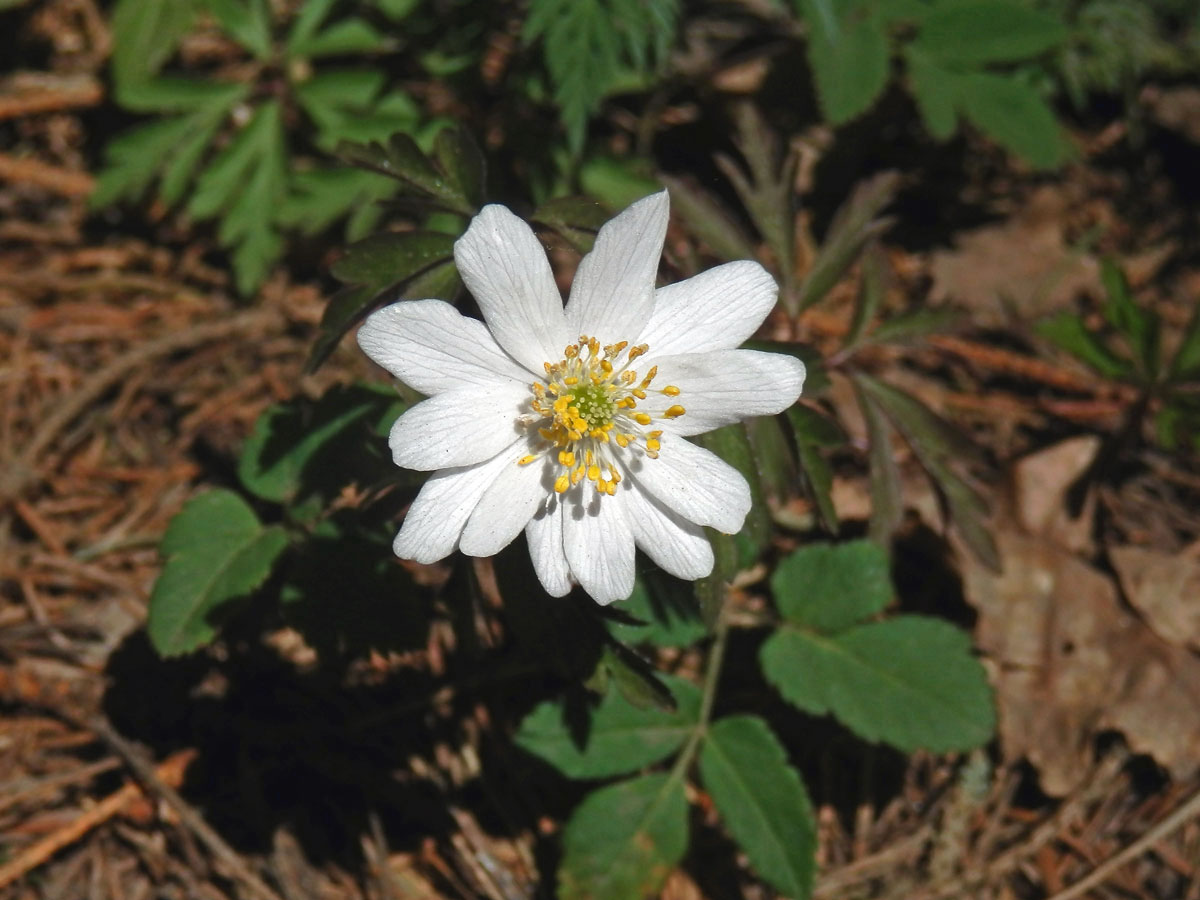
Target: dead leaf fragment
(1040, 485)
(1165, 589)
(1071, 662)
(1021, 269)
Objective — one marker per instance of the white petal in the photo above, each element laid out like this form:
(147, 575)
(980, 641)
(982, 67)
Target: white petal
(599, 545)
(458, 428)
(612, 296)
(696, 484)
(436, 518)
(545, 536)
(726, 386)
(432, 347)
(504, 266)
(675, 544)
(715, 310)
(507, 505)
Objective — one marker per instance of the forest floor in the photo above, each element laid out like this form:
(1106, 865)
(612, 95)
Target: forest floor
(130, 375)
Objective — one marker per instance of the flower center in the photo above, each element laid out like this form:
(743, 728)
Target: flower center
(588, 412)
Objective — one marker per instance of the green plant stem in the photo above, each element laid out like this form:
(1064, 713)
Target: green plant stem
(712, 675)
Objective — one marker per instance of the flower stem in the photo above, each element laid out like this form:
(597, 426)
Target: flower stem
(712, 675)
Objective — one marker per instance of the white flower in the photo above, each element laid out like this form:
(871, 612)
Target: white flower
(570, 423)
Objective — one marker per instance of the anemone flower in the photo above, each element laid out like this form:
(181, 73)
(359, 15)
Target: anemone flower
(571, 422)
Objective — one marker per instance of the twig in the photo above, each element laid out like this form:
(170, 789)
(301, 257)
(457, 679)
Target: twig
(235, 866)
(30, 93)
(16, 794)
(38, 853)
(1189, 810)
(836, 883)
(18, 475)
(67, 182)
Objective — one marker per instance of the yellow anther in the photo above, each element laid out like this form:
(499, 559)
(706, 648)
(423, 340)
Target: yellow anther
(577, 475)
(547, 433)
(637, 351)
(571, 380)
(643, 419)
(526, 460)
(566, 458)
(652, 444)
(639, 393)
(671, 391)
(593, 472)
(675, 412)
(623, 441)
(561, 483)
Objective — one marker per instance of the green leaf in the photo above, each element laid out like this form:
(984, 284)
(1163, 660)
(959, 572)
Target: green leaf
(319, 198)
(829, 587)
(577, 219)
(708, 219)
(170, 148)
(919, 424)
(1186, 362)
(352, 304)
(330, 98)
(589, 44)
(731, 444)
(814, 431)
(886, 505)
(348, 37)
(637, 680)
(671, 616)
(397, 9)
(173, 94)
(244, 185)
(621, 737)
(712, 590)
(871, 290)
(392, 257)
(1140, 327)
(300, 448)
(772, 455)
(910, 682)
(145, 34)
(1015, 115)
(767, 189)
(849, 58)
(402, 159)
(936, 443)
(249, 21)
(935, 89)
(977, 32)
(459, 157)
(1068, 332)
(623, 840)
(216, 551)
(856, 223)
(616, 182)
(913, 325)
(763, 801)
